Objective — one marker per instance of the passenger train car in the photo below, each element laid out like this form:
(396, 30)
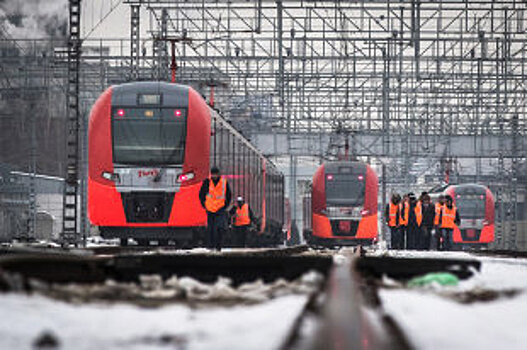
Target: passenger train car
(151, 144)
(475, 204)
(342, 209)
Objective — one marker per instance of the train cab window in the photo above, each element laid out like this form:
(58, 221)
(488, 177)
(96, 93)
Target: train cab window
(149, 136)
(345, 188)
(471, 206)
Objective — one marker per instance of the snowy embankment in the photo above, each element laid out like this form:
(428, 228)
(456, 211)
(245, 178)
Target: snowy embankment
(187, 315)
(486, 311)
(124, 326)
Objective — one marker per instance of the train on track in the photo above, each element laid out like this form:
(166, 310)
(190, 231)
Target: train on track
(151, 144)
(476, 207)
(342, 206)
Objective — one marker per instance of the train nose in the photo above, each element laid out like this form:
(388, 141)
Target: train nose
(148, 206)
(148, 211)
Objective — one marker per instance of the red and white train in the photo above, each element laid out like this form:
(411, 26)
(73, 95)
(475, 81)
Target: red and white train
(151, 144)
(475, 204)
(342, 208)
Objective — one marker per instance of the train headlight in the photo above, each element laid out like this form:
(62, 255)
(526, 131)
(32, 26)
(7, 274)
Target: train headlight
(185, 177)
(110, 176)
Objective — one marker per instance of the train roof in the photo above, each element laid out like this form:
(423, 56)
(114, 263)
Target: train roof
(169, 94)
(468, 188)
(217, 116)
(333, 166)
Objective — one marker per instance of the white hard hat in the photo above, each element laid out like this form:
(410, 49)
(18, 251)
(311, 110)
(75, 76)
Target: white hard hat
(239, 199)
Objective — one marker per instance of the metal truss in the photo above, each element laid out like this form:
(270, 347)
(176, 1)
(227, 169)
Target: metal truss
(410, 79)
(409, 83)
(423, 67)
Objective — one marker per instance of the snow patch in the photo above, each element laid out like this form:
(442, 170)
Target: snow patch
(125, 326)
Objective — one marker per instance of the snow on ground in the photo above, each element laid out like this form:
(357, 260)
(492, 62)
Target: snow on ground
(433, 322)
(433, 319)
(419, 254)
(126, 326)
(496, 273)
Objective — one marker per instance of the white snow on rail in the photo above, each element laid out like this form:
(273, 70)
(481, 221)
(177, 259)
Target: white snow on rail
(125, 326)
(433, 322)
(432, 318)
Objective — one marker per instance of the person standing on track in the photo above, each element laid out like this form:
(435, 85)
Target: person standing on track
(448, 220)
(404, 220)
(215, 197)
(243, 218)
(392, 216)
(437, 229)
(414, 218)
(428, 221)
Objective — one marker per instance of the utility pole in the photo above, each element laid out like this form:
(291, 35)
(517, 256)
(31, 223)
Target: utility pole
(70, 232)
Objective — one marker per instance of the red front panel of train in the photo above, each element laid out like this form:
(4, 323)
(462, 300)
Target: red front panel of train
(107, 195)
(476, 211)
(342, 222)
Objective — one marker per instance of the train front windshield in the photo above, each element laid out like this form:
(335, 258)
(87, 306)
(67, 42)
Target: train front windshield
(149, 136)
(471, 206)
(345, 189)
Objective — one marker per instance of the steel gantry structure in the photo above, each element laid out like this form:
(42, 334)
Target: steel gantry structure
(407, 81)
(412, 85)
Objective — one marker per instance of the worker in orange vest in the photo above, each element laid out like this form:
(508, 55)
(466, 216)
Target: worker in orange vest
(404, 220)
(413, 219)
(392, 216)
(215, 197)
(242, 219)
(448, 220)
(437, 229)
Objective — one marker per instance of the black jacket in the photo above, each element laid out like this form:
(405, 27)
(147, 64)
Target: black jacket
(429, 213)
(412, 219)
(204, 190)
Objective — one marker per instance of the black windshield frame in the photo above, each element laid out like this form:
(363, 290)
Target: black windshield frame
(345, 189)
(149, 136)
(471, 207)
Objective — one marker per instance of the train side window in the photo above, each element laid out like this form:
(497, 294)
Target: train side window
(245, 172)
(219, 145)
(213, 147)
(259, 176)
(235, 165)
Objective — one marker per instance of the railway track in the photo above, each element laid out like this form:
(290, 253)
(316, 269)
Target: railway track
(338, 306)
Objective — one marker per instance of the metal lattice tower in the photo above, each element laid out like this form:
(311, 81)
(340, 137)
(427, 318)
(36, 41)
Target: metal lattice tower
(412, 82)
(134, 40)
(70, 229)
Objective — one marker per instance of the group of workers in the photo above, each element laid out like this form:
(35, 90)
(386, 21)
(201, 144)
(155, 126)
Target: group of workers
(418, 224)
(414, 223)
(215, 196)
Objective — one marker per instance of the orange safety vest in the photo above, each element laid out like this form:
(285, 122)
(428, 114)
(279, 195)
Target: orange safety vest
(215, 199)
(406, 208)
(438, 211)
(394, 210)
(242, 216)
(449, 216)
(418, 213)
